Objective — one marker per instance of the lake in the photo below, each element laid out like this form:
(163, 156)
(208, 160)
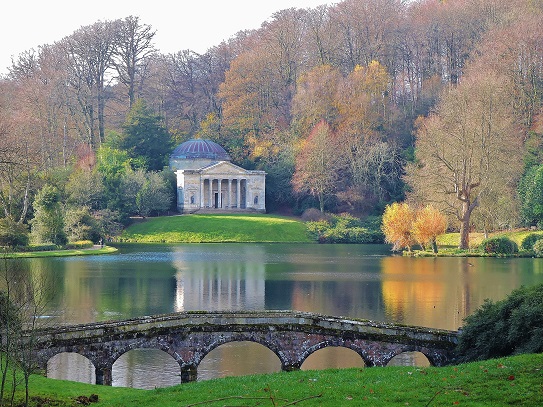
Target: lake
(357, 281)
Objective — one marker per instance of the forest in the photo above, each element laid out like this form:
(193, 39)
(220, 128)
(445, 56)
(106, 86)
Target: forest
(347, 108)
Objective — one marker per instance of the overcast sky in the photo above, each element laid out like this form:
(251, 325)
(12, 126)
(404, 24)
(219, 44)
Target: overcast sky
(180, 24)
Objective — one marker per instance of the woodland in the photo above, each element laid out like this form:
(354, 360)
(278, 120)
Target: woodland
(348, 108)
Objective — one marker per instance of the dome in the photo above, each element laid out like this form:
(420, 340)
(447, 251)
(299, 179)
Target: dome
(200, 149)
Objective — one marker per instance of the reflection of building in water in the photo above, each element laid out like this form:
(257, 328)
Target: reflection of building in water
(212, 286)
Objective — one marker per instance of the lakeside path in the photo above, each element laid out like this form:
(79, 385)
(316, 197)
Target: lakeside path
(62, 253)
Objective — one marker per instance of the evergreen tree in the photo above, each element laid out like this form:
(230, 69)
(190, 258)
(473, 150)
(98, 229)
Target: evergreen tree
(145, 138)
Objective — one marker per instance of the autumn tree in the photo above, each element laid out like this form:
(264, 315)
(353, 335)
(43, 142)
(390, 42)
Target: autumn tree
(470, 147)
(132, 50)
(428, 225)
(317, 164)
(397, 225)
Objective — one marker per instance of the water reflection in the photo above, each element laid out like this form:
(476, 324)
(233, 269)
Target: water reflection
(358, 281)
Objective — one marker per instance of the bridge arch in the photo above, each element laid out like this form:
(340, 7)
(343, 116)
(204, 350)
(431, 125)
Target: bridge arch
(366, 359)
(70, 366)
(236, 358)
(226, 338)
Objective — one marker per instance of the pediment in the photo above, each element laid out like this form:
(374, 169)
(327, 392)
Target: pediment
(223, 167)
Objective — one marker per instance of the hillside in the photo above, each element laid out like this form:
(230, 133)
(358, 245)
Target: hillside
(219, 228)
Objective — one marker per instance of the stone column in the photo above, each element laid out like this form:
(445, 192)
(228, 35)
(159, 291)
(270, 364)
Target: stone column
(104, 375)
(219, 199)
(238, 194)
(202, 180)
(229, 193)
(211, 192)
(189, 374)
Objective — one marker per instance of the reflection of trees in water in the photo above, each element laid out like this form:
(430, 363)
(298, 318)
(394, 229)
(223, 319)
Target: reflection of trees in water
(441, 292)
(356, 299)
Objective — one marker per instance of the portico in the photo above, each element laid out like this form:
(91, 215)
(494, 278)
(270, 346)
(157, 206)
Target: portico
(215, 185)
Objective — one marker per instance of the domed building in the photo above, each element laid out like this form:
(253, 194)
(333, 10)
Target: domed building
(207, 180)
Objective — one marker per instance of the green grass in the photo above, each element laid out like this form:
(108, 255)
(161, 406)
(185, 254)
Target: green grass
(475, 238)
(61, 253)
(218, 228)
(501, 382)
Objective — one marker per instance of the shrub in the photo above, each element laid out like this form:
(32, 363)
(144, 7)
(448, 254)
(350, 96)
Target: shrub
(346, 228)
(538, 248)
(498, 245)
(314, 215)
(529, 241)
(511, 326)
(13, 234)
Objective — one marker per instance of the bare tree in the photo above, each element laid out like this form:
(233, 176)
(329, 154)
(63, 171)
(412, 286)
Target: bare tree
(133, 48)
(470, 148)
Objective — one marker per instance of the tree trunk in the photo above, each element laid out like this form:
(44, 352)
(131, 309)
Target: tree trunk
(467, 208)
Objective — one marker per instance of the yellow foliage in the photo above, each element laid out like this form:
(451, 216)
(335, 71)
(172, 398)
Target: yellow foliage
(428, 225)
(397, 225)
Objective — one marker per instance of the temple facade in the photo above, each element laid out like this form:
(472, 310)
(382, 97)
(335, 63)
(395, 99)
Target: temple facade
(207, 180)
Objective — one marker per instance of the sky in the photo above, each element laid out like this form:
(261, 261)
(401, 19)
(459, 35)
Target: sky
(180, 24)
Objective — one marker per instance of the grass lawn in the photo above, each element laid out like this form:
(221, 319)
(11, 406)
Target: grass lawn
(475, 238)
(61, 253)
(500, 382)
(219, 228)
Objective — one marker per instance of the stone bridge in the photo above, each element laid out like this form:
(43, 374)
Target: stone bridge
(189, 336)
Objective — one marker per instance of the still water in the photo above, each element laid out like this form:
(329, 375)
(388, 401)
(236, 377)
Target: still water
(360, 281)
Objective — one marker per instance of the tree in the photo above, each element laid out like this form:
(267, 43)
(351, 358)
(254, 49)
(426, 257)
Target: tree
(89, 57)
(317, 164)
(79, 224)
(397, 225)
(428, 225)
(145, 137)
(468, 148)
(154, 196)
(13, 234)
(23, 301)
(530, 192)
(48, 222)
(133, 48)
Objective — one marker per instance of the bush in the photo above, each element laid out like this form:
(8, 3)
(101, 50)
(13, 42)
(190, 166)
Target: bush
(498, 245)
(346, 228)
(538, 248)
(507, 327)
(314, 215)
(13, 234)
(529, 241)
(82, 244)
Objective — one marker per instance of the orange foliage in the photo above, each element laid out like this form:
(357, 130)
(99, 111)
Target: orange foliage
(397, 225)
(429, 224)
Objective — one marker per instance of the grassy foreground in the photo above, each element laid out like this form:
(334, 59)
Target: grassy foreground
(219, 228)
(508, 381)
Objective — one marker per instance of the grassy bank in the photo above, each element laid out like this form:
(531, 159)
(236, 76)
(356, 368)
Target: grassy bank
(475, 239)
(219, 228)
(61, 253)
(508, 381)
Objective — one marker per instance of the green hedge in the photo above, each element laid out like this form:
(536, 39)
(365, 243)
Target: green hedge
(498, 245)
(529, 241)
(511, 326)
(346, 229)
